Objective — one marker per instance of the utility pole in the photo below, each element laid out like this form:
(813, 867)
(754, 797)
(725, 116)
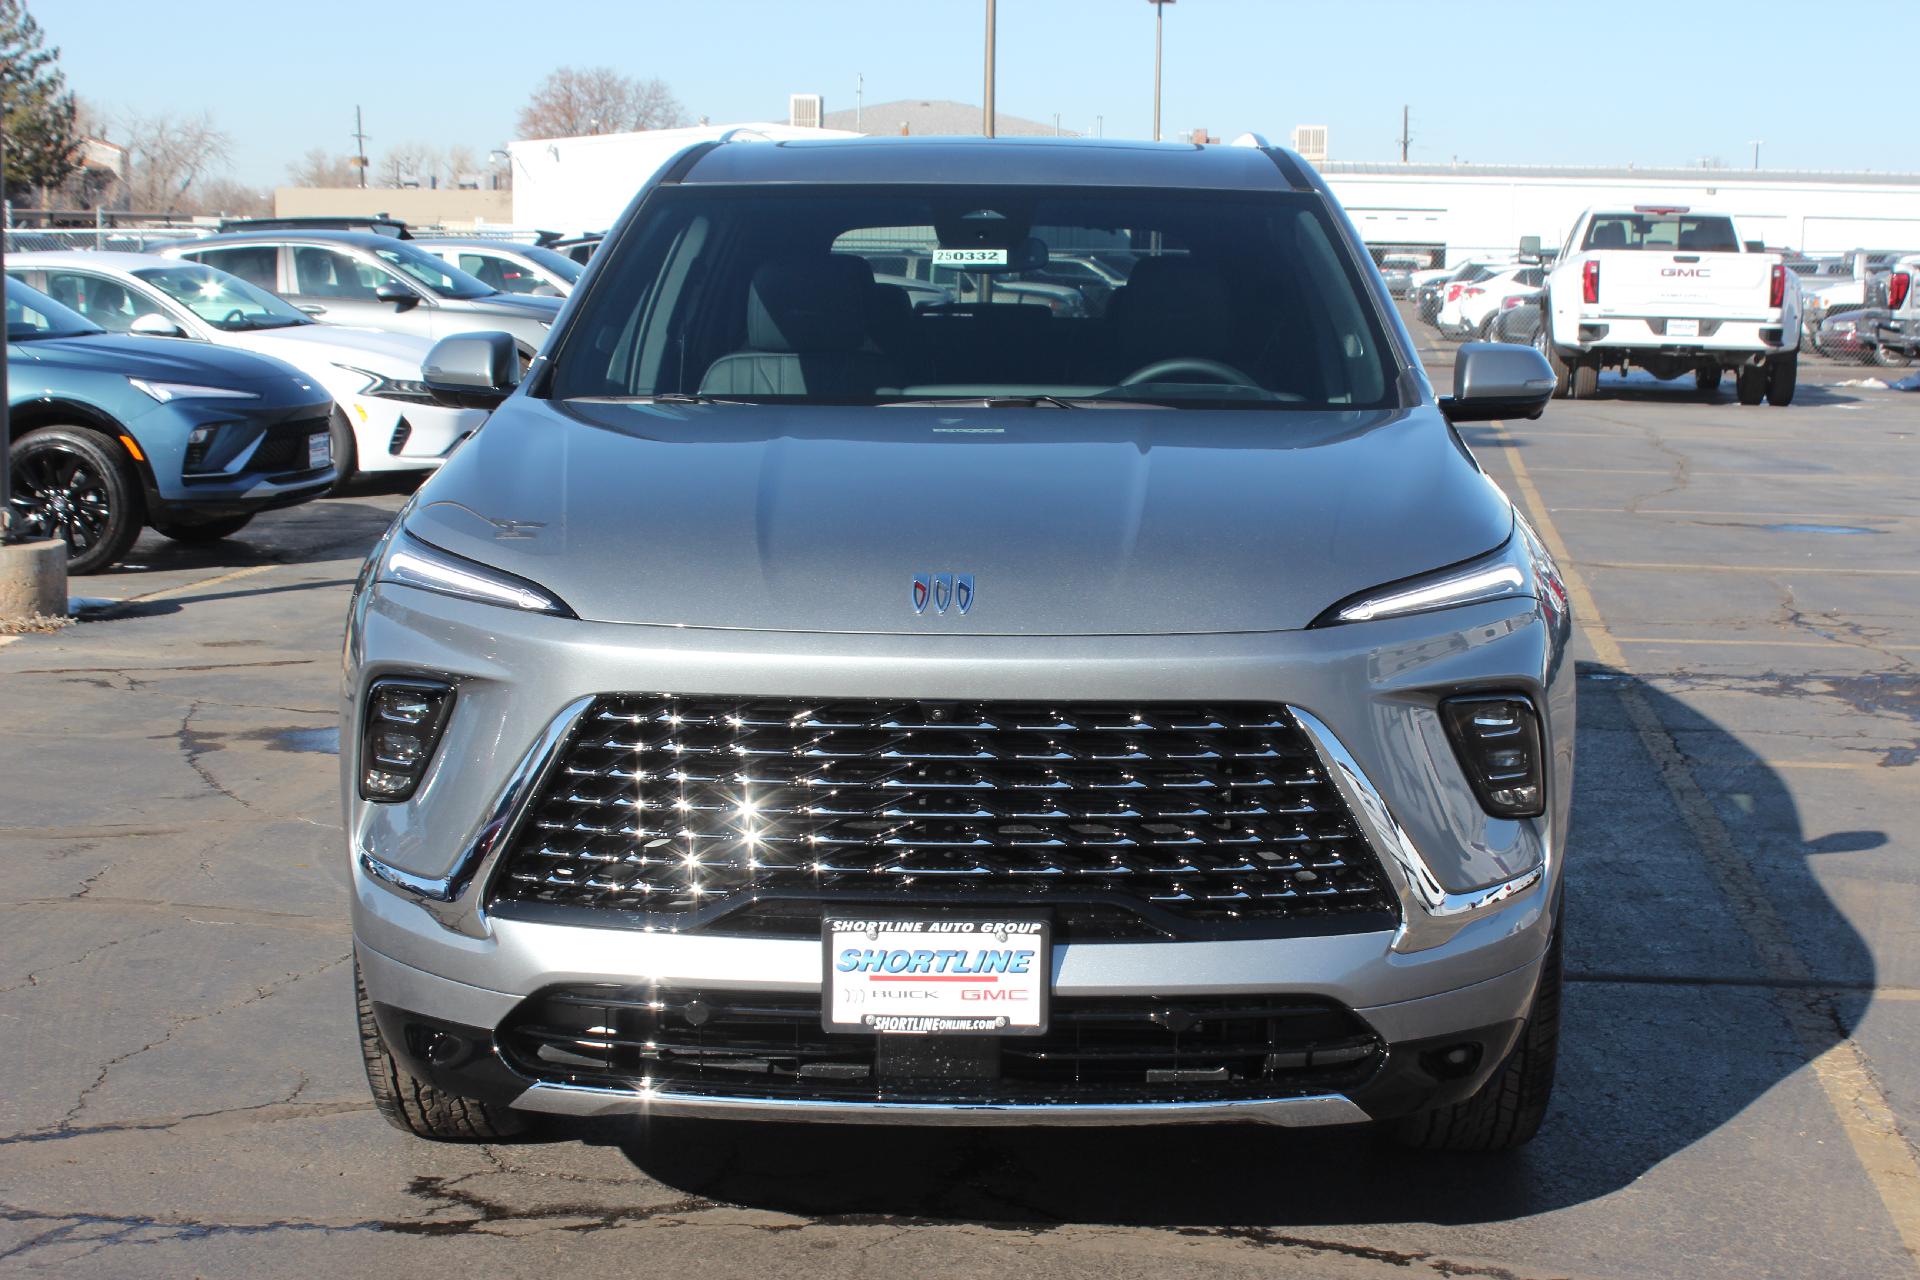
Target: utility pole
(1756, 151)
(360, 147)
(1099, 126)
(1159, 23)
(859, 98)
(986, 111)
(1405, 137)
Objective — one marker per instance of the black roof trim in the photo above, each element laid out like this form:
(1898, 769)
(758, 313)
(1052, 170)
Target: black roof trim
(1290, 170)
(684, 162)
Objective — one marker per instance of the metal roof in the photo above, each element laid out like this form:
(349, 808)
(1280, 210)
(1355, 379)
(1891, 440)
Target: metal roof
(1021, 161)
(1717, 177)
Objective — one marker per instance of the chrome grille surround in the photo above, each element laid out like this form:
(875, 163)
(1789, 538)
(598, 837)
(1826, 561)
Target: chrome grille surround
(678, 809)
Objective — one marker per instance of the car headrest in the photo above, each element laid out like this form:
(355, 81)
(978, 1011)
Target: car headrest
(809, 304)
(1174, 301)
(1609, 235)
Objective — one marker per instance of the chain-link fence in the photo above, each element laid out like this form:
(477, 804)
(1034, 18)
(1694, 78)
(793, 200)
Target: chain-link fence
(116, 239)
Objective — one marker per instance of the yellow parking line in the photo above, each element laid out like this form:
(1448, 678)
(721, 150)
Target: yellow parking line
(1850, 516)
(1875, 476)
(1851, 1090)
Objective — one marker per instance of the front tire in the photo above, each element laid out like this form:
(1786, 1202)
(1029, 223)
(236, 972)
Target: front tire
(1887, 358)
(203, 532)
(1508, 1109)
(1750, 383)
(409, 1103)
(1706, 380)
(346, 454)
(1586, 381)
(1562, 371)
(77, 485)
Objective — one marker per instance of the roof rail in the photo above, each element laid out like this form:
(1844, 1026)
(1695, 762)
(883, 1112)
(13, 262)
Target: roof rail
(1251, 140)
(742, 133)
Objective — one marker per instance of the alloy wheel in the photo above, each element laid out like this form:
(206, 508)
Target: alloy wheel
(57, 493)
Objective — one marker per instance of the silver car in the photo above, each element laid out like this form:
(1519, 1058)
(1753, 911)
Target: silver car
(794, 706)
(508, 265)
(372, 280)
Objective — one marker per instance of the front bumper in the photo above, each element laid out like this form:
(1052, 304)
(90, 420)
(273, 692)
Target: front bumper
(1475, 892)
(429, 435)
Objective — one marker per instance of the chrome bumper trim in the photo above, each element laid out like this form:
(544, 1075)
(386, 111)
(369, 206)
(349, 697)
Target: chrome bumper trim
(1391, 840)
(579, 1100)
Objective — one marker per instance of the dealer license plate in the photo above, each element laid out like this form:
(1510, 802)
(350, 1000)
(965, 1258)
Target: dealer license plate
(936, 975)
(1683, 328)
(319, 451)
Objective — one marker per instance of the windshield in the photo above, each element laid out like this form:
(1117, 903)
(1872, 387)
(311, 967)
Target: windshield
(223, 301)
(32, 314)
(424, 268)
(1706, 233)
(558, 263)
(801, 295)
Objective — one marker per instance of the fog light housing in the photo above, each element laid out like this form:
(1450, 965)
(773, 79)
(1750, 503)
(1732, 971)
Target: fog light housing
(1497, 739)
(398, 734)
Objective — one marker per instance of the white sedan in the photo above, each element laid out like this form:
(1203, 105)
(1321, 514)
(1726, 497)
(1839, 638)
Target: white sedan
(1469, 309)
(383, 419)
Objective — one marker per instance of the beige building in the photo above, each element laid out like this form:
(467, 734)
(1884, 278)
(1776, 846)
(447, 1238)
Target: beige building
(416, 206)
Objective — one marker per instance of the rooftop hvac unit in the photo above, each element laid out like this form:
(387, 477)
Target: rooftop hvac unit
(1310, 140)
(805, 110)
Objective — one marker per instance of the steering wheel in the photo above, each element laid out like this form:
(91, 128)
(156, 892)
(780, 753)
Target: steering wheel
(1213, 370)
(235, 316)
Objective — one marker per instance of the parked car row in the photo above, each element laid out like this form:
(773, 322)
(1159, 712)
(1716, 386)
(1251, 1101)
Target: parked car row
(150, 389)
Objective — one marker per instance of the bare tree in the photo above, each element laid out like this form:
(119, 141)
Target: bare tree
(407, 162)
(167, 155)
(581, 100)
(228, 197)
(318, 168)
(456, 161)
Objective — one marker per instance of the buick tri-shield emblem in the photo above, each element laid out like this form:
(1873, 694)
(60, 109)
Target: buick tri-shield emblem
(942, 591)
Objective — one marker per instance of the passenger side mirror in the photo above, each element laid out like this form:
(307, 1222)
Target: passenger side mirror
(155, 325)
(398, 294)
(1529, 248)
(1497, 380)
(473, 370)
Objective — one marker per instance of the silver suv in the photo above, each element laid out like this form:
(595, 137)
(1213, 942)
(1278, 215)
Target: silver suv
(799, 704)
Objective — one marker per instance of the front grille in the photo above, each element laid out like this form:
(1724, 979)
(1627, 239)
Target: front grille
(285, 446)
(680, 809)
(1095, 1049)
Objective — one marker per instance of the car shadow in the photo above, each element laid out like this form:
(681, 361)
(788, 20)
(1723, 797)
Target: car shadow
(1662, 980)
(333, 528)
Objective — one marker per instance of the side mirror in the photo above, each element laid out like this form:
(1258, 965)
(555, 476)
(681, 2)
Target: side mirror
(155, 325)
(475, 370)
(1498, 380)
(1529, 246)
(398, 294)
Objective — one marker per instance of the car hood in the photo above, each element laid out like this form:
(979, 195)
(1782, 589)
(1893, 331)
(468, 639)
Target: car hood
(392, 355)
(1069, 522)
(161, 360)
(527, 304)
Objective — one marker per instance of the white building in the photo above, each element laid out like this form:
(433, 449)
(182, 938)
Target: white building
(574, 185)
(1469, 210)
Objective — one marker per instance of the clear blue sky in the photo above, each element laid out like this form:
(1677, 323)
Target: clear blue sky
(1487, 80)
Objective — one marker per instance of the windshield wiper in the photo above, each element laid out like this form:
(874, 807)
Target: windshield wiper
(664, 397)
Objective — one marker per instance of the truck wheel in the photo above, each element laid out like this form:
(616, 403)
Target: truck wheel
(1750, 383)
(1562, 374)
(77, 485)
(1706, 379)
(1586, 381)
(202, 532)
(1887, 358)
(407, 1102)
(1508, 1109)
(1782, 376)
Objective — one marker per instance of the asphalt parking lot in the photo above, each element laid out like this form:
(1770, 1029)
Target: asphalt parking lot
(1739, 1090)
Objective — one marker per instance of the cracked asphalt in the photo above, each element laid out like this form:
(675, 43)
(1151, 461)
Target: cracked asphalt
(1739, 1090)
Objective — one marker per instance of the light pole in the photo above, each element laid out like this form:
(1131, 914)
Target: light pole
(1159, 23)
(986, 110)
(1756, 150)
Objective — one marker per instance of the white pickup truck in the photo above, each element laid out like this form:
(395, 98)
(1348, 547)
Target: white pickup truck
(1671, 291)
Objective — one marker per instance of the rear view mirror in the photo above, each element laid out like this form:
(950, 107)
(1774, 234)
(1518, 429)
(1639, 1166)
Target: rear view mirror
(473, 370)
(398, 294)
(1529, 246)
(155, 325)
(1498, 380)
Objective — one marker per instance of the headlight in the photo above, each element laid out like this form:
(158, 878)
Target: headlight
(409, 562)
(384, 388)
(1521, 567)
(166, 391)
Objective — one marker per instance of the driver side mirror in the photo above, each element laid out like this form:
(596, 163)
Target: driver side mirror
(473, 370)
(1497, 380)
(398, 294)
(155, 325)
